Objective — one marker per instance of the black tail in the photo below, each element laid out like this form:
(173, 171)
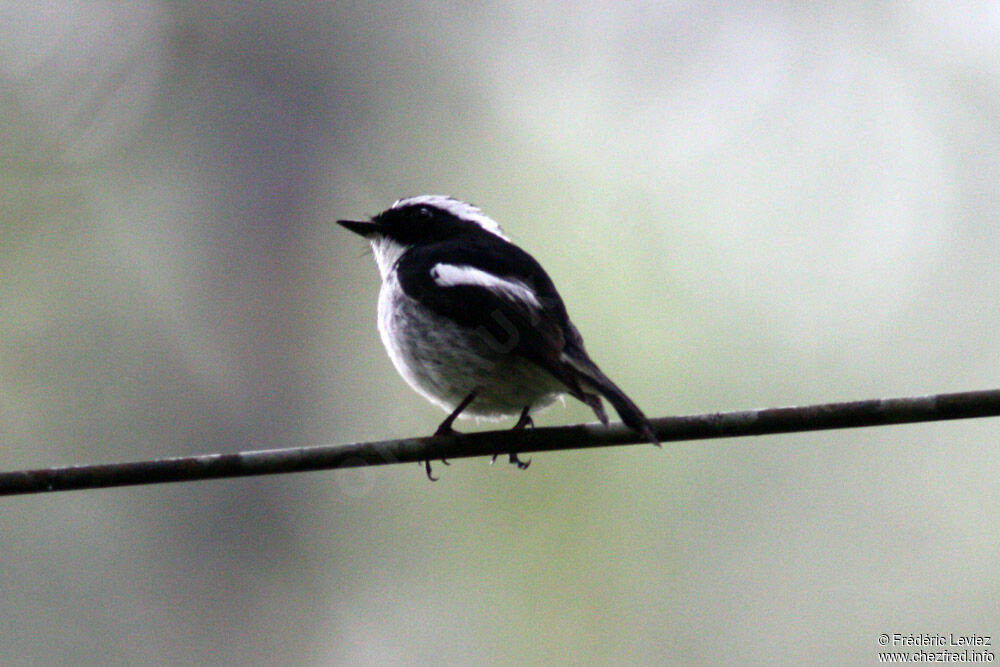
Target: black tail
(627, 410)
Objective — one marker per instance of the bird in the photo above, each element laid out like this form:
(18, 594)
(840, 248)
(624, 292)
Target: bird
(474, 323)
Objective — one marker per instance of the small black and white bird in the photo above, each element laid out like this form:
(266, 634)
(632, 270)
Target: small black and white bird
(473, 323)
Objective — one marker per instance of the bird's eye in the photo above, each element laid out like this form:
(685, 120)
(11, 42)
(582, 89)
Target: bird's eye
(424, 213)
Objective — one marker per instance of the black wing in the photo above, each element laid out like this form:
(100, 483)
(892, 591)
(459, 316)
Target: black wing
(498, 290)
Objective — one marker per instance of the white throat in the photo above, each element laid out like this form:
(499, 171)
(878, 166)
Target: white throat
(387, 252)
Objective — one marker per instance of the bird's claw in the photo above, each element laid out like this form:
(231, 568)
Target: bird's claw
(521, 465)
(513, 458)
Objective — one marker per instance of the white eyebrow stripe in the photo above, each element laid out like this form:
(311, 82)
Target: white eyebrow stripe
(452, 275)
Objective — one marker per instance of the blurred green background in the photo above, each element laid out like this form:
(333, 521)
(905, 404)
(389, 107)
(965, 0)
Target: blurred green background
(744, 205)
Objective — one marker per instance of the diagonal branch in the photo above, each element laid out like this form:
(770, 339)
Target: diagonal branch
(876, 412)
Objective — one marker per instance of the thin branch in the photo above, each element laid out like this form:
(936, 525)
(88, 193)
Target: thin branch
(877, 412)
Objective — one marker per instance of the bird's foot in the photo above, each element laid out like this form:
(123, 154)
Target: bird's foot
(514, 460)
(523, 422)
(521, 465)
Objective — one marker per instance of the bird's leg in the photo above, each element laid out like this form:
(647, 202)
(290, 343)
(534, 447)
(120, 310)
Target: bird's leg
(523, 421)
(446, 429)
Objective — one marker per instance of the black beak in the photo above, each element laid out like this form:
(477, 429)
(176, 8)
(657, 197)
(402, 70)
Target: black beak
(365, 229)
